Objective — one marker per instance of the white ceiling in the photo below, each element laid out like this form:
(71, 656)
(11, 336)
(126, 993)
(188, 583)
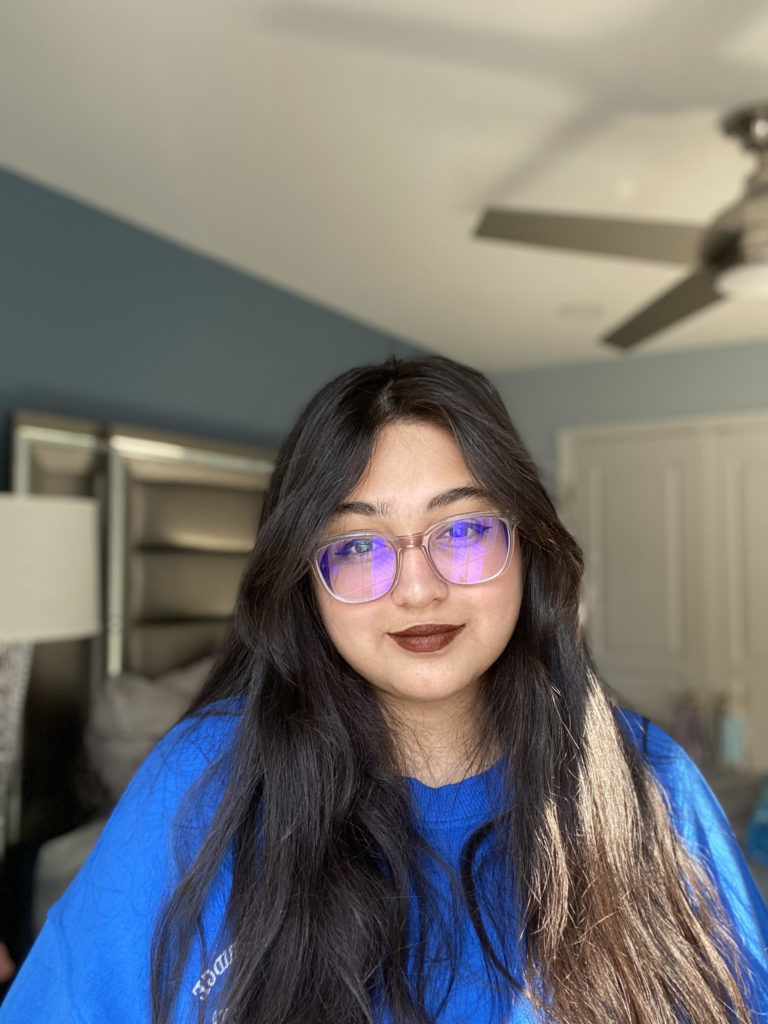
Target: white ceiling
(345, 150)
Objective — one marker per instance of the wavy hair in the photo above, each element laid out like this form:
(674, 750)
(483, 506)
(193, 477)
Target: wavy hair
(607, 914)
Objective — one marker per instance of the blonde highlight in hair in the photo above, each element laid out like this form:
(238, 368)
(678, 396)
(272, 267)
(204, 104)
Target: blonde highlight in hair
(631, 925)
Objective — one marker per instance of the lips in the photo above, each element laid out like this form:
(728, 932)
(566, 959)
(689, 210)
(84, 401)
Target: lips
(427, 637)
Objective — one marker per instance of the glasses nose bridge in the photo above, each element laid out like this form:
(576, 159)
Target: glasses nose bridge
(412, 540)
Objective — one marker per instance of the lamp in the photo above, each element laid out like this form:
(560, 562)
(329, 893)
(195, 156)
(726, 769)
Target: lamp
(49, 590)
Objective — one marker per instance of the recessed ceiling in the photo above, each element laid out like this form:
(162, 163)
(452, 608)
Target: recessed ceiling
(345, 151)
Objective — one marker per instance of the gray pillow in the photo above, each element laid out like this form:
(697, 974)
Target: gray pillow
(131, 713)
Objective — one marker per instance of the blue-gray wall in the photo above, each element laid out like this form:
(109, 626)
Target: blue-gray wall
(707, 381)
(101, 320)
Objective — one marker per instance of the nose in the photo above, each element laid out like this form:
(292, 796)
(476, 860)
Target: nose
(418, 584)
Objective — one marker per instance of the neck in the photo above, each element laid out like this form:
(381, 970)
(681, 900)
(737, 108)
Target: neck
(438, 744)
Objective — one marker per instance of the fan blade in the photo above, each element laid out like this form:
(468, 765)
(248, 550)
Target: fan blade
(692, 294)
(633, 239)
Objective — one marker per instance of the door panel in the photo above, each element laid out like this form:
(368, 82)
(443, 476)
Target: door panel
(673, 518)
(739, 472)
(634, 499)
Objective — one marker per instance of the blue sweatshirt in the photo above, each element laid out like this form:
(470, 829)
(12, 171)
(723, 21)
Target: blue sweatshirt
(91, 962)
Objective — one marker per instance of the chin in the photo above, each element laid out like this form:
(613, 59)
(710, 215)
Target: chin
(429, 690)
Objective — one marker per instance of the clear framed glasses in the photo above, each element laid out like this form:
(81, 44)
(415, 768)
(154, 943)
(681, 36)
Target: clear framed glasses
(464, 549)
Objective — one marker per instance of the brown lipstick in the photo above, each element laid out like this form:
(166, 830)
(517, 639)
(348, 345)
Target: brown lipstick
(426, 638)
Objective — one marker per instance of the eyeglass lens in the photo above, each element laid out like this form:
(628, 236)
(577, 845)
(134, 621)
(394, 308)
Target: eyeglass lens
(467, 550)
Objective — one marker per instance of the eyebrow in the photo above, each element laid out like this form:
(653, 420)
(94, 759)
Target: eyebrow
(365, 508)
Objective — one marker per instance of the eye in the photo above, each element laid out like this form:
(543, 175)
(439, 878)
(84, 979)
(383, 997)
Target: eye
(464, 529)
(355, 547)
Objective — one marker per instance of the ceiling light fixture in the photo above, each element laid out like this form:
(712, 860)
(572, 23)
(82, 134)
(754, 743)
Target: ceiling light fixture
(746, 277)
(727, 256)
(744, 281)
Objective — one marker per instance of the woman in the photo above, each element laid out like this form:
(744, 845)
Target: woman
(403, 795)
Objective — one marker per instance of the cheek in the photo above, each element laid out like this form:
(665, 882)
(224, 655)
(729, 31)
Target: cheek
(345, 624)
(506, 603)
(327, 610)
(501, 627)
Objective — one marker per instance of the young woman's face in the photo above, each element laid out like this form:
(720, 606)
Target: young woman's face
(413, 464)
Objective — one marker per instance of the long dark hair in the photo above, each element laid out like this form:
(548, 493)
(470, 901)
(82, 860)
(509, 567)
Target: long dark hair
(609, 916)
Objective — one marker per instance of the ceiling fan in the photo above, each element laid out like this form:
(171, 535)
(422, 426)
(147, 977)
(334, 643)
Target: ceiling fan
(729, 257)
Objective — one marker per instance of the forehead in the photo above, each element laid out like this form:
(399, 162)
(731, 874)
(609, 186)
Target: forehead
(410, 465)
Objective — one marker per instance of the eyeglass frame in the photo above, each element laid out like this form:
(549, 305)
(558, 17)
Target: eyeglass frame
(413, 540)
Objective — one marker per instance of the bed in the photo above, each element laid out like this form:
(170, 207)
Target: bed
(179, 516)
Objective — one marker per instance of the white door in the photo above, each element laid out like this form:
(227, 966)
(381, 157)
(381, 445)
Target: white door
(738, 594)
(673, 519)
(632, 498)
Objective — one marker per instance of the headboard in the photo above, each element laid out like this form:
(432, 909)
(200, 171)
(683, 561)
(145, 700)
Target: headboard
(179, 518)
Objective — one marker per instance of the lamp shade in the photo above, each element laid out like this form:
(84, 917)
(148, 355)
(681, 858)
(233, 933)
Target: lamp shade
(49, 568)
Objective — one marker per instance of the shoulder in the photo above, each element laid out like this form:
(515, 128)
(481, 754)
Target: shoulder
(167, 801)
(651, 738)
(705, 830)
(693, 807)
(685, 787)
(175, 782)
(195, 744)
(697, 816)
(664, 754)
(91, 961)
